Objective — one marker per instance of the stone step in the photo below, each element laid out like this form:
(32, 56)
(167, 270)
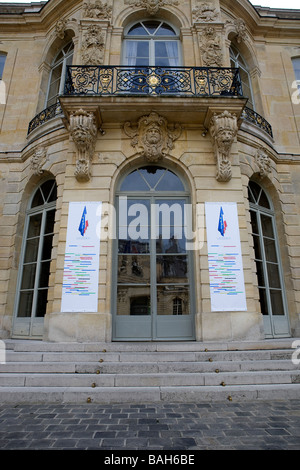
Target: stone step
(147, 380)
(13, 356)
(109, 395)
(40, 346)
(146, 367)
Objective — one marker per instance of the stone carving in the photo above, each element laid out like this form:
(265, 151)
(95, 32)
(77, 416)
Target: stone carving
(60, 28)
(83, 130)
(223, 129)
(210, 48)
(205, 13)
(239, 27)
(152, 136)
(97, 10)
(263, 162)
(152, 6)
(93, 46)
(37, 161)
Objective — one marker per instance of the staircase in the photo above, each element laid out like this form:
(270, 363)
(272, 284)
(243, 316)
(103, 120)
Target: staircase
(42, 372)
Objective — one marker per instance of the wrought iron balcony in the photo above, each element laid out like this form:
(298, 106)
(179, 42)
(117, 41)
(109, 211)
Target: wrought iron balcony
(257, 120)
(183, 81)
(44, 116)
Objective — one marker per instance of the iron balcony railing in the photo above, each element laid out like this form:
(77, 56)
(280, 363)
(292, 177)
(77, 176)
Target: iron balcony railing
(45, 116)
(133, 80)
(257, 120)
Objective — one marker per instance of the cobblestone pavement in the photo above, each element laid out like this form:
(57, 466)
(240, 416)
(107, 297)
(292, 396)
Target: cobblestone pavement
(159, 426)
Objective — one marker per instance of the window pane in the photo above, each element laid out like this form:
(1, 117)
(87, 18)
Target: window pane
(260, 274)
(170, 182)
(49, 226)
(31, 250)
(173, 300)
(137, 30)
(151, 26)
(133, 246)
(255, 189)
(257, 249)
(28, 276)
(276, 301)
(25, 304)
(263, 200)
(263, 301)
(47, 189)
(34, 225)
(270, 250)
(133, 300)
(38, 199)
(47, 247)
(296, 65)
(41, 303)
(267, 225)
(254, 225)
(134, 269)
(44, 274)
(171, 268)
(165, 30)
(134, 182)
(273, 275)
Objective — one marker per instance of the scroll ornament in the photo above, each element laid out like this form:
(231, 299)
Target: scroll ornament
(83, 130)
(223, 129)
(152, 136)
(97, 10)
(152, 6)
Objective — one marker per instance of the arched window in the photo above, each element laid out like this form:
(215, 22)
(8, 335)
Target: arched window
(57, 74)
(153, 262)
(268, 266)
(35, 258)
(237, 60)
(152, 43)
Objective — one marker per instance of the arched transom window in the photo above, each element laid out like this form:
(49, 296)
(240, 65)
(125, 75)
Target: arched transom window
(153, 43)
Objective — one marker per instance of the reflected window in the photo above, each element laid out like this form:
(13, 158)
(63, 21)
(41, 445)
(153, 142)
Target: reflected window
(268, 268)
(237, 61)
(58, 73)
(36, 253)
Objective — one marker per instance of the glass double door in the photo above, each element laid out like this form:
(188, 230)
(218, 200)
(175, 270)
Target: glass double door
(153, 299)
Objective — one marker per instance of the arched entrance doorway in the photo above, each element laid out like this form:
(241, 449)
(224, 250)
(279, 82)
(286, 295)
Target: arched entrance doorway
(153, 293)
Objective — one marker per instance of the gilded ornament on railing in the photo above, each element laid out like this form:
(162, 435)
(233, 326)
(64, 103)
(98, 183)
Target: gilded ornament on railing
(93, 46)
(205, 13)
(152, 6)
(210, 47)
(83, 130)
(152, 136)
(97, 10)
(223, 129)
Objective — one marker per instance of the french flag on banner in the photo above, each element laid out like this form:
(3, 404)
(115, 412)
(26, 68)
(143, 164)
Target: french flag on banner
(222, 223)
(83, 223)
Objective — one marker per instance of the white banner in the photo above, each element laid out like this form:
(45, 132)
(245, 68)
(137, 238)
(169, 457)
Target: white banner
(81, 267)
(227, 287)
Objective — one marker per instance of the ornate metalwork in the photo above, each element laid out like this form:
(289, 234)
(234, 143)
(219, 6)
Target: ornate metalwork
(44, 116)
(258, 120)
(121, 80)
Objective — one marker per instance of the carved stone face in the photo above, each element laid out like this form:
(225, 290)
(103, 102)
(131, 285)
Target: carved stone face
(153, 135)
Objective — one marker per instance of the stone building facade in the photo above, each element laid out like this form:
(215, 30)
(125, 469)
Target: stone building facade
(179, 104)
